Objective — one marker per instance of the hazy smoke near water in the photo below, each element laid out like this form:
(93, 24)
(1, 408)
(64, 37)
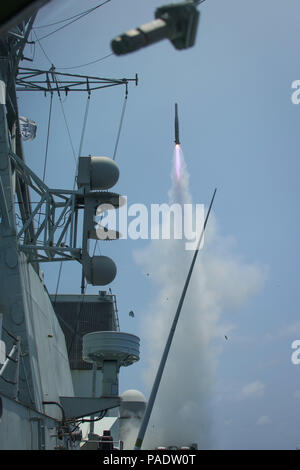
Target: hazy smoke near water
(129, 432)
(182, 414)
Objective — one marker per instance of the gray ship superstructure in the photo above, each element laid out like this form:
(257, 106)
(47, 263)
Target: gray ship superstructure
(46, 389)
(60, 354)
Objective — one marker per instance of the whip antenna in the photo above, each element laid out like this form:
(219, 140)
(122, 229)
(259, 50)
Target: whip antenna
(143, 428)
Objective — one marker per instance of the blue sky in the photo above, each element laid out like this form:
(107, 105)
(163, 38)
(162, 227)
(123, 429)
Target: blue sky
(239, 132)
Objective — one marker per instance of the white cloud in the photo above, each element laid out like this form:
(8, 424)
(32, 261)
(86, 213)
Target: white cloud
(263, 420)
(253, 389)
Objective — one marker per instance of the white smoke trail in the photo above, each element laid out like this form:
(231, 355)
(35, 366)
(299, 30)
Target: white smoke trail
(128, 432)
(182, 414)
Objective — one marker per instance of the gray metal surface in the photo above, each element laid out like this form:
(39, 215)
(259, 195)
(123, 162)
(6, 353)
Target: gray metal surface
(12, 298)
(35, 375)
(22, 428)
(47, 342)
(44, 354)
(82, 314)
(111, 346)
(81, 406)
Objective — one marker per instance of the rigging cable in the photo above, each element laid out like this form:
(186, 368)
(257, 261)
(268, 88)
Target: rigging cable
(47, 145)
(88, 63)
(48, 134)
(43, 50)
(73, 21)
(73, 67)
(82, 13)
(68, 129)
(121, 122)
(83, 283)
(80, 149)
(83, 129)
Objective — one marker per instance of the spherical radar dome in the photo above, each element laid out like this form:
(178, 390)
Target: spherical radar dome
(133, 404)
(133, 395)
(104, 173)
(103, 270)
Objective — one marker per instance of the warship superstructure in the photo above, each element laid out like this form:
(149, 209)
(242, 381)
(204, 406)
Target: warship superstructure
(46, 389)
(60, 354)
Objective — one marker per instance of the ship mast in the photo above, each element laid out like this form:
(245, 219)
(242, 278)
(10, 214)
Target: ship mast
(26, 241)
(17, 384)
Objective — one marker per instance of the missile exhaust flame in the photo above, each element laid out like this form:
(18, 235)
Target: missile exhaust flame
(178, 152)
(178, 164)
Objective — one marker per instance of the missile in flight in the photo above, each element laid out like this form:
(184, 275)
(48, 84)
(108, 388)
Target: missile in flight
(176, 125)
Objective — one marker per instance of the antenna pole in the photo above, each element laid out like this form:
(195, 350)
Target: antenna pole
(143, 428)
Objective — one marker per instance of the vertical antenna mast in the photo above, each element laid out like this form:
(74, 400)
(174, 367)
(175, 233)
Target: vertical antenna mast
(145, 421)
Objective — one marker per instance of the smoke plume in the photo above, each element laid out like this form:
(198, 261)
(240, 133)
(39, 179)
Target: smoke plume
(182, 412)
